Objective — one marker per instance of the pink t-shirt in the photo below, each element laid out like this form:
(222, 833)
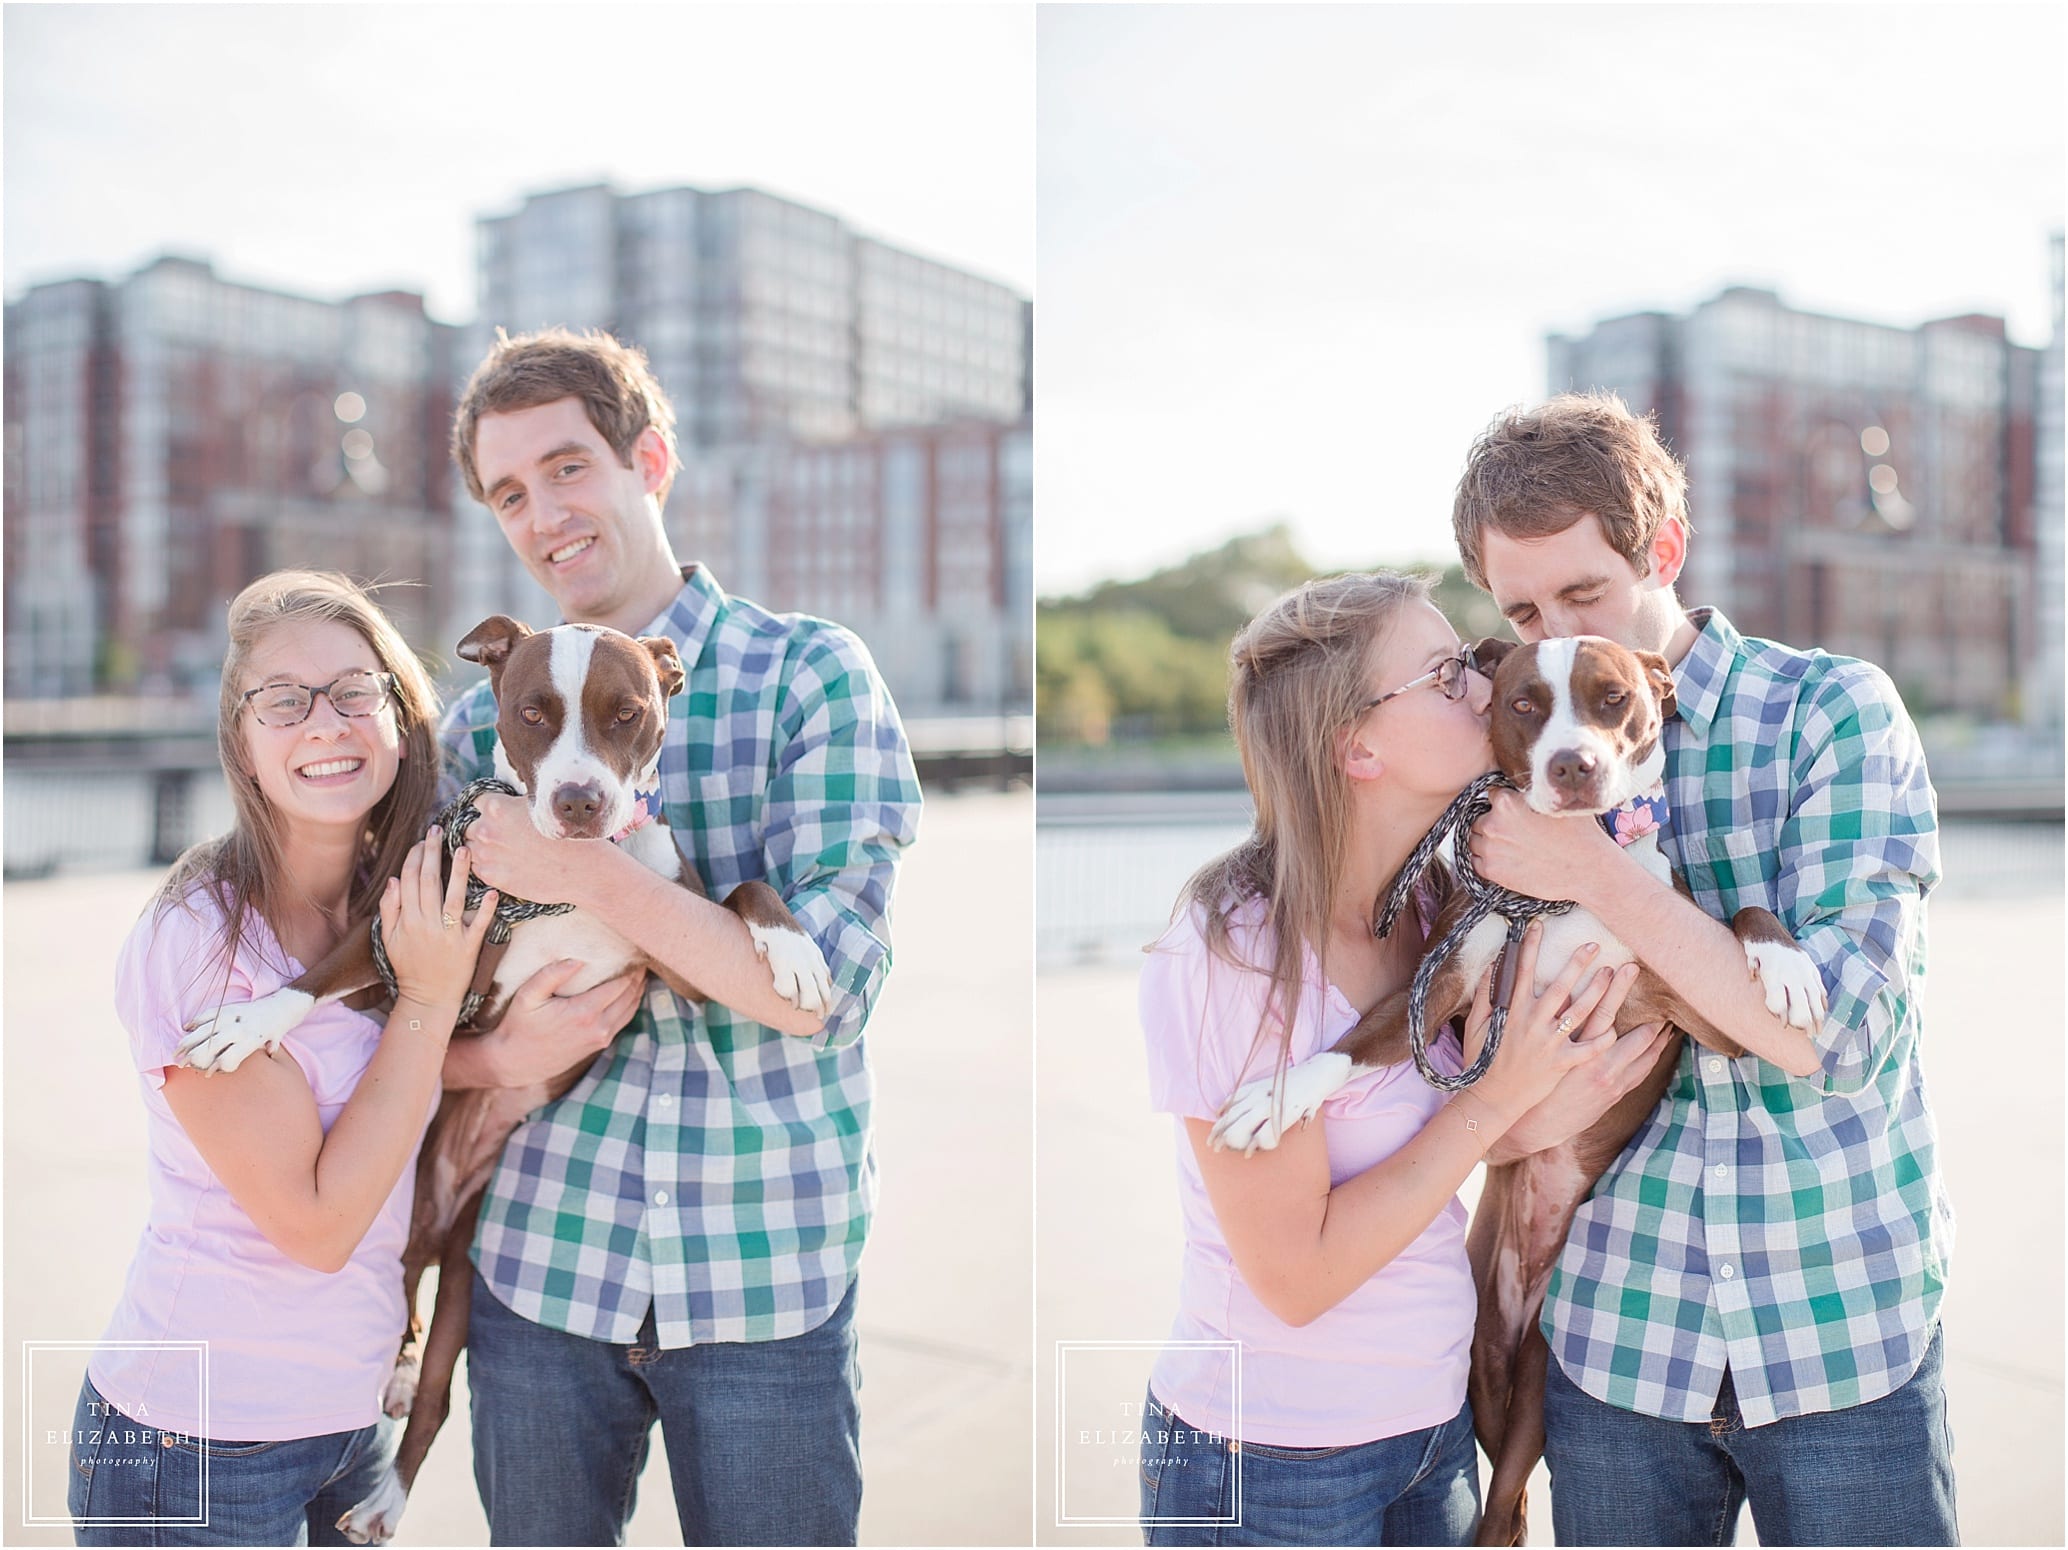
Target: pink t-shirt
(292, 1352)
(1392, 1356)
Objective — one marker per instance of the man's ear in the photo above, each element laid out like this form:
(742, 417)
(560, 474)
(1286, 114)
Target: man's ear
(1668, 551)
(656, 468)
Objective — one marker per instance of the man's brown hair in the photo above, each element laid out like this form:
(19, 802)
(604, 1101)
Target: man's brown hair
(615, 385)
(1534, 473)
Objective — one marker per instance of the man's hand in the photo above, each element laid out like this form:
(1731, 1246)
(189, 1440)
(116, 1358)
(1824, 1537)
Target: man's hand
(701, 942)
(512, 856)
(1520, 849)
(1583, 1095)
(543, 1034)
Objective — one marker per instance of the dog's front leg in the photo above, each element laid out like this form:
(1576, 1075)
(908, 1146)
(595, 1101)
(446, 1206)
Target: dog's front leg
(1259, 1114)
(794, 960)
(222, 1040)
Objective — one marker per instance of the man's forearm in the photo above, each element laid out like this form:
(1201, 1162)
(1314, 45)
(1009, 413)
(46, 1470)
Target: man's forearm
(698, 942)
(1701, 959)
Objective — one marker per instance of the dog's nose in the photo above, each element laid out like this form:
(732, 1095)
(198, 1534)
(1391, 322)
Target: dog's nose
(1571, 767)
(577, 804)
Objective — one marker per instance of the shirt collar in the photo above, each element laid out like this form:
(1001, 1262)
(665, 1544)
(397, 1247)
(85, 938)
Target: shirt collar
(690, 614)
(1698, 681)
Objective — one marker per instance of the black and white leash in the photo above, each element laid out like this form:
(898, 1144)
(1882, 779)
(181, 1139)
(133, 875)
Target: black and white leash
(1516, 908)
(455, 821)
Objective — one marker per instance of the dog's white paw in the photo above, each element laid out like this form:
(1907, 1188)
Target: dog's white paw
(374, 1521)
(1254, 1120)
(222, 1042)
(797, 965)
(1794, 989)
(399, 1392)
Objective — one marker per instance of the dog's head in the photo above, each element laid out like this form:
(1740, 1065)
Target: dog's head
(581, 711)
(1576, 721)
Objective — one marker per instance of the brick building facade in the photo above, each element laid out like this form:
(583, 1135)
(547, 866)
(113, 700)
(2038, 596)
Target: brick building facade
(1861, 487)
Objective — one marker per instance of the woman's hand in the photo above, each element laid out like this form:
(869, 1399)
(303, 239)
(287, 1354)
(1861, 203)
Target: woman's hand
(543, 1033)
(430, 949)
(1549, 1034)
(1583, 1095)
(314, 1192)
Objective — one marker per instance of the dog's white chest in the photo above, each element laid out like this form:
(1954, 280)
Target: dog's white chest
(578, 934)
(1564, 934)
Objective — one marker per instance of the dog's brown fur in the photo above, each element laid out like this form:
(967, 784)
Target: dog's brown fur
(466, 1136)
(1527, 1207)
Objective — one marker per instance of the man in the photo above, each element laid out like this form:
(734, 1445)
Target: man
(1747, 1305)
(678, 1236)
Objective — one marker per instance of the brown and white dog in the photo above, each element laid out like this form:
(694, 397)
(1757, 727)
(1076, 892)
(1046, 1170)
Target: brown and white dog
(581, 714)
(1576, 727)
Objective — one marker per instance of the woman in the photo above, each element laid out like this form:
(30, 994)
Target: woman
(281, 1189)
(1337, 1259)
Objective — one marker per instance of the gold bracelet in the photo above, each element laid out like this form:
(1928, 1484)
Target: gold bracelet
(1471, 1124)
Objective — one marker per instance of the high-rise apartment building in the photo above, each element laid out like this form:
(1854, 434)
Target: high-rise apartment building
(2043, 703)
(852, 417)
(1861, 487)
(920, 539)
(765, 318)
(171, 435)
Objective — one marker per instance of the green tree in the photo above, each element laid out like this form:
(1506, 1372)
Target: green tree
(1149, 658)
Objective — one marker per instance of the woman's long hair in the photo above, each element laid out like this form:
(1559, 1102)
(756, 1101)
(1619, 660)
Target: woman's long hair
(1298, 672)
(242, 869)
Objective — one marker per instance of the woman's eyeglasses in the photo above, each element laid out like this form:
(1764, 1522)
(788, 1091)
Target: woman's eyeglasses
(350, 694)
(1448, 676)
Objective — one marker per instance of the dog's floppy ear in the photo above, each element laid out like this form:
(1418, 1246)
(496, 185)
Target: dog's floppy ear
(1488, 652)
(1659, 673)
(667, 663)
(491, 641)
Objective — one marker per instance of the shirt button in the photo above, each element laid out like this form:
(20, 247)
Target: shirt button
(1725, 1271)
(666, 1099)
(660, 1198)
(1716, 1068)
(1722, 1171)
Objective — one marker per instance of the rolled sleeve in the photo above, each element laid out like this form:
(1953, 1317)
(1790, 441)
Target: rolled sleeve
(842, 805)
(1859, 851)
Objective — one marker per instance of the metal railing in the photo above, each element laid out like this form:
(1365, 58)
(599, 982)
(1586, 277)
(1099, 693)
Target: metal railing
(94, 796)
(1105, 880)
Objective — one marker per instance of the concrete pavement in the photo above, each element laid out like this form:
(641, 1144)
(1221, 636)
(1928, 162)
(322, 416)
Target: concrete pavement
(949, 1375)
(1107, 1240)
(945, 1302)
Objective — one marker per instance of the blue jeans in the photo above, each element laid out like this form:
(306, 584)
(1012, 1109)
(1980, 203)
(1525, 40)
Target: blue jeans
(1421, 1488)
(1875, 1474)
(764, 1437)
(259, 1493)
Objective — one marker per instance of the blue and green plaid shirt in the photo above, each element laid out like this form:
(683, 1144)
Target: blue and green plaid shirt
(706, 1166)
(1794, 1229)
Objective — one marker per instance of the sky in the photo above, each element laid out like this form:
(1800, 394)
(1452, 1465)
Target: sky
(1293, 260)
(329, 149)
